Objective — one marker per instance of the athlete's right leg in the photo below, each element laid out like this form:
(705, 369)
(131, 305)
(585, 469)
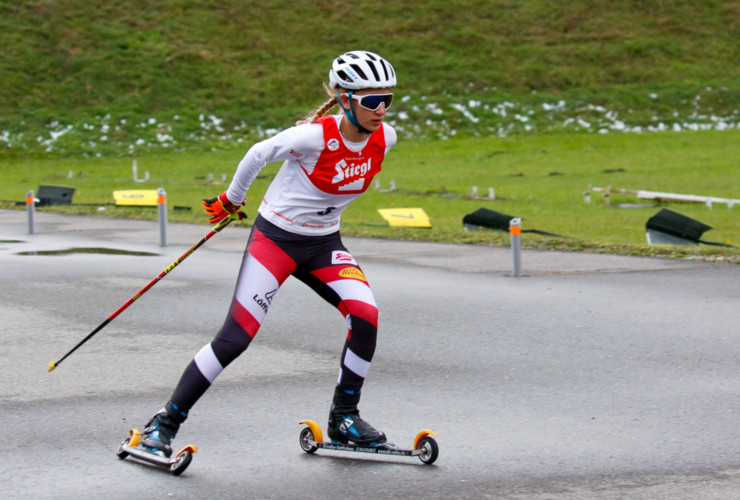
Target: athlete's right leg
(337, 278)
(264, 268)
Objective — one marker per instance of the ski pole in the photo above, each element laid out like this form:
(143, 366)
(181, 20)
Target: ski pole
(141, 292)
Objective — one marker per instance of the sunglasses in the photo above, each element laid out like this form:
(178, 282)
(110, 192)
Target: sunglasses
(373, 101)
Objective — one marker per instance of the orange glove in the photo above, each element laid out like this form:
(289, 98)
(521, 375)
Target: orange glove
(220, 207)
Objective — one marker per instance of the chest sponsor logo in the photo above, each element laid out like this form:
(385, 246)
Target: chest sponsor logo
(352, 272)
(333, 144)
(340, 257)
(351, 174)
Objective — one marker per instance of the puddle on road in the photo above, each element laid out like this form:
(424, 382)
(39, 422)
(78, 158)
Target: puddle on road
(106, 251)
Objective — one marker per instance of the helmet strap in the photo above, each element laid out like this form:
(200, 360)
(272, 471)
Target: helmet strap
(350, 113)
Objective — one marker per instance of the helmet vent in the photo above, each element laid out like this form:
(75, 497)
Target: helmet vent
(359, 71)
(375, 71)
(385, 69)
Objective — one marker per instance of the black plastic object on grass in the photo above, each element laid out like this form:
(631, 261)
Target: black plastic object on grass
(672, 228)
(485, 218)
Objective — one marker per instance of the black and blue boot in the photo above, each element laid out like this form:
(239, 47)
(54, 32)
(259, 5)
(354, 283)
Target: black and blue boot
(346, 426)
(162, 428)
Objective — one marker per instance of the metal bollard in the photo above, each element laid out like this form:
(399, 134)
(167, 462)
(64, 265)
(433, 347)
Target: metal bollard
(162, 212)
(515, 230)
(30, 209)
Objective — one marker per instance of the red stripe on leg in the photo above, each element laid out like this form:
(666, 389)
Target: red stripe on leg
(270, 255)
(245, 319)
(361, 309)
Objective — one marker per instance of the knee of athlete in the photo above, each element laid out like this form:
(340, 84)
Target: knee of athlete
(363, 332)
(228, 347)
(360, 311)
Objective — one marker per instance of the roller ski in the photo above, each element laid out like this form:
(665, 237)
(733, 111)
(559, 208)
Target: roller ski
(425, 446)
(348, 432)
(132, 447)
(153, 444)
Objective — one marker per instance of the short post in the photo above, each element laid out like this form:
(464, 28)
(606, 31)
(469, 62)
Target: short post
(30, 209)
(515, 230)
(135, 169)
(162, 212)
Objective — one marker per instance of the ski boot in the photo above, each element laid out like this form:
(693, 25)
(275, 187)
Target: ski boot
(346, 426)
(162, 428)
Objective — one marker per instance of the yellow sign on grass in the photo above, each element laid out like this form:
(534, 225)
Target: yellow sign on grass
(405, 217)
(137, 197)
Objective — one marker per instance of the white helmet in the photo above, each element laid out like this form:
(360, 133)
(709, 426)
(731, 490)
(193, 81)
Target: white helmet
(360, 69)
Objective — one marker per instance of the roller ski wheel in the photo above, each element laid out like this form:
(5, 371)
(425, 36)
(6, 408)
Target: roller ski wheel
(425, 447)
(177, 464)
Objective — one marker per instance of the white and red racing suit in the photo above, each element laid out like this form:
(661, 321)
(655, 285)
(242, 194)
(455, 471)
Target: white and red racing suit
(297, 233)
(320, 176)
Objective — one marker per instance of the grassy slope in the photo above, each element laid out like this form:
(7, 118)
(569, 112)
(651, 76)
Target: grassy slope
(259, 60)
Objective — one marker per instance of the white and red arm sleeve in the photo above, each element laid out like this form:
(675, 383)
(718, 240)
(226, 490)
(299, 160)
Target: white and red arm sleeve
(294, 143)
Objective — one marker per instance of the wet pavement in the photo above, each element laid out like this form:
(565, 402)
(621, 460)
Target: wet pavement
(590, 376)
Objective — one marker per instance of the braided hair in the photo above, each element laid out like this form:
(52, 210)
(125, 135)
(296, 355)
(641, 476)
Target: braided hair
(321, 110)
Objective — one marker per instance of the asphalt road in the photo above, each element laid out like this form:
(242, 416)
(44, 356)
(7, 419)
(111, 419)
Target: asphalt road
(590, 376)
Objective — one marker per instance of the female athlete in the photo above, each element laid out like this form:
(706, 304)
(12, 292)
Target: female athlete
(328, 161)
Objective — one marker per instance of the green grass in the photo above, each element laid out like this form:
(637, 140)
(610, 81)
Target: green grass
(539, 178)
(123, 78)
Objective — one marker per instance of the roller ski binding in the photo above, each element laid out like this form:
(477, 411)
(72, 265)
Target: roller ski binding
(153, 444)
(348, 432)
